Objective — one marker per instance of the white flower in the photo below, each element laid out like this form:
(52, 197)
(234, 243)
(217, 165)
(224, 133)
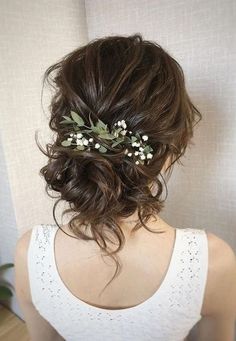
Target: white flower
(123, 132)
(134, 144)
(97, 145)
(126, 151)
(141, 149)
(137, 144)
(123, 124)
(149, 156)
(79, 142)
(130, 132)
(142, 157)
(119, 123)
(91, 139)
(137, 162)
(71, 134)
(129, 154)
(145, 137)
(79, 135)
(69, 138)
(85, 142)
(136, 153)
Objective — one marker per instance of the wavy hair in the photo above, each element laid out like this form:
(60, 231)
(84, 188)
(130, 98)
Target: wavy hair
(114, 78)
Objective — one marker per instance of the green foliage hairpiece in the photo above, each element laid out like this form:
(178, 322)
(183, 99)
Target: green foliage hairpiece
(100, 131)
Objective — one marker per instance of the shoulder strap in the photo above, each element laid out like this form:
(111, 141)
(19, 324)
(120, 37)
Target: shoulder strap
(38, 259)
(193, 258)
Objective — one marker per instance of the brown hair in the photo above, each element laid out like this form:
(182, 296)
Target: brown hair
(114, 78)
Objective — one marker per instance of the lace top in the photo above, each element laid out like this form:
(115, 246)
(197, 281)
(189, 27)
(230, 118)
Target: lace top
(168, 315)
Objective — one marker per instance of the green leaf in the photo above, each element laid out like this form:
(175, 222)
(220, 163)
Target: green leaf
(102, 149)
(102, 124)
(118, 141)
(115, 144)
(96, 130)
(101, 130)
(149, 149)
(80, 147)
(66, 143)
(5, 293)
(76, 129)
(146, 149)
(67, 118)
(133, 139)
(66, 122)
(106, 136)
(118, 130)
(77, 118)
(86, 131)
(6, 266)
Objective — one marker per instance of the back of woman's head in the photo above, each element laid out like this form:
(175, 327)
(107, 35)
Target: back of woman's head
(116, 78)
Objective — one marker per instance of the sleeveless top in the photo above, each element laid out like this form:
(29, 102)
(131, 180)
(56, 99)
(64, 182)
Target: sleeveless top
(168, 315)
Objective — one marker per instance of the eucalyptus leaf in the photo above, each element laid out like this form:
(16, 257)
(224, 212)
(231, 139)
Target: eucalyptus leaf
(5, 293)
(77, 118)
(146, 149)
(102, 124)
(99, 126)
(106, 136)
(66, 122)
(67, 118)
(102, 149)
(100, 130)
(119, 130)
(96, 130)
(66, 143)
(133, 139)
(118, 141)
(115, 143)
(86, 131)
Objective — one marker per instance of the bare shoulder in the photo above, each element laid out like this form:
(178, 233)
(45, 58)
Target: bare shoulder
(21, 268)
(220, 292)
(219, 304)
(23, 242)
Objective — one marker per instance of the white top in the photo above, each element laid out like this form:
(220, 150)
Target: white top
(168, 315)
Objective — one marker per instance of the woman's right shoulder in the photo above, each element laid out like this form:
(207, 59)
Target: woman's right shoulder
(220, 290)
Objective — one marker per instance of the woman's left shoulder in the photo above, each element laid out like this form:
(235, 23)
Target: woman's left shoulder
(21, 266)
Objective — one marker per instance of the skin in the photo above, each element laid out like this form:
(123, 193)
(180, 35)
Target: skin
(219, 306)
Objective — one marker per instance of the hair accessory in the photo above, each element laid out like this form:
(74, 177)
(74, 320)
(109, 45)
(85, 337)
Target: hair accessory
(118, 136)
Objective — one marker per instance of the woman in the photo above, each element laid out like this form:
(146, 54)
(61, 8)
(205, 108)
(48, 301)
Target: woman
(122, 117)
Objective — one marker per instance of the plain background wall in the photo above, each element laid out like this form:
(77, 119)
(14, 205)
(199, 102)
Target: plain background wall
(33, 35)
(199, 34)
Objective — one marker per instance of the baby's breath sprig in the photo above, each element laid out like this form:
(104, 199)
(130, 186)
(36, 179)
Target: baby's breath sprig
(118, 136)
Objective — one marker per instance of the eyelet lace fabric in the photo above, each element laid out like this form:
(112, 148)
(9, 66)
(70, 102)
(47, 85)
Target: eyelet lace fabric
(168, 315)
